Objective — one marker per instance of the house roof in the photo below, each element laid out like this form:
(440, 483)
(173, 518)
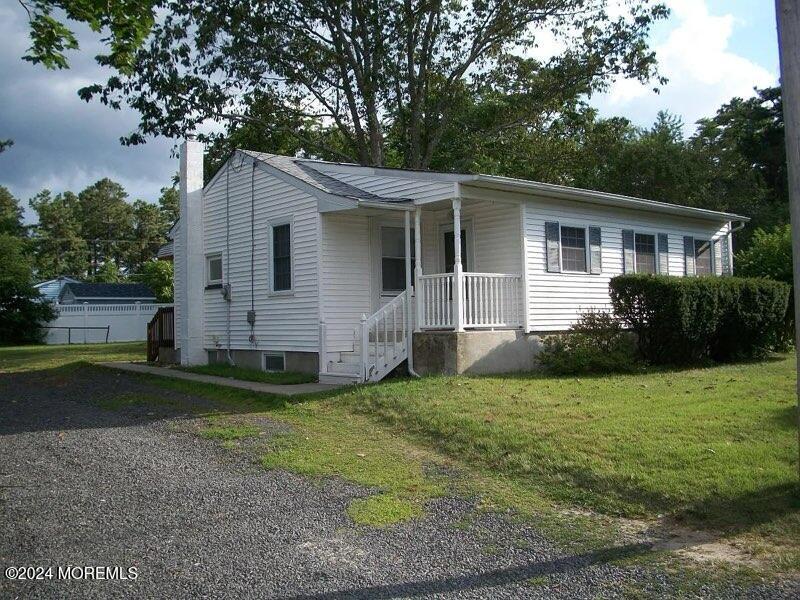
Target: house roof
(303, 169)
(51, 288)
(109, 290)
(309, 172)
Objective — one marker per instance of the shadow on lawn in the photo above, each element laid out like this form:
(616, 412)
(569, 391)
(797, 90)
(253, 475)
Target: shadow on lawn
(81, 396)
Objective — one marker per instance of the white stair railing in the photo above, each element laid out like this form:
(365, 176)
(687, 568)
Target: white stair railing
(383, 339)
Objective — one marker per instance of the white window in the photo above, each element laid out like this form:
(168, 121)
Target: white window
(393, 259)
(645, 246)
(573, 249)
(274, 361)
(214, 269)
(281, 250)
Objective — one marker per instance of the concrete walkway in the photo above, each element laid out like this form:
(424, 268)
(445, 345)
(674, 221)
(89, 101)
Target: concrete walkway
(253, 386)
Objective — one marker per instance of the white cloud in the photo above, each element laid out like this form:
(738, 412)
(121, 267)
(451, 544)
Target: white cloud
(703, 70)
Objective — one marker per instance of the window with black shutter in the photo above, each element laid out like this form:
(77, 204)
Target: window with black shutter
(573, 249)
(645, 245)
(702, 257)
(281, 257)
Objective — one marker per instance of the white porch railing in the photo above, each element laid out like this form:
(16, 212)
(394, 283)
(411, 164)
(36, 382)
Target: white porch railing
(492, 300)
(383, 339)
(436, 295)
(489, 300)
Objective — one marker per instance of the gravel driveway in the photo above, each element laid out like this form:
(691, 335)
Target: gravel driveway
(81, 485)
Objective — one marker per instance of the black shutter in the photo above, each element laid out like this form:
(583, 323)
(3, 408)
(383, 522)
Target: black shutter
(688, 255)
(552, 237)
(595, 250)
(628, 257)
(725, 253)
(663, 253)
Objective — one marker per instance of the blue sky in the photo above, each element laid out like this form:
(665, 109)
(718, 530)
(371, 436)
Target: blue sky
(711, 51)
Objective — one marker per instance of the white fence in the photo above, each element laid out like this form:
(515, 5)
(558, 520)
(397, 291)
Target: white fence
(97, 323)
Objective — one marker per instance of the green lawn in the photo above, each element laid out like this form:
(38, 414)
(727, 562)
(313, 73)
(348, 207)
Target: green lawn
(714, 448)
(223, 370)
(34, 358)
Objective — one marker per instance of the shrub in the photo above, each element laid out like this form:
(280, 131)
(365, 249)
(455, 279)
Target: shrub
(596, 344)
(22, 313)
(690, 319)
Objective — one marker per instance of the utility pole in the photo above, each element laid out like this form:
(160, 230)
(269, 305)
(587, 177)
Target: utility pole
(788, 16)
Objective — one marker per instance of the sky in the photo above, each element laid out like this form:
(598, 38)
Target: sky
(710, 50)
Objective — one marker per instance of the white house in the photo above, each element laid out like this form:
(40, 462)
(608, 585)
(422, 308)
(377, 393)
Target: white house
(296, 264)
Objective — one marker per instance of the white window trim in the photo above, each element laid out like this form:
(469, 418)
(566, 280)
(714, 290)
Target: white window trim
(271, 248)
(585, 228)
(267, 353)
(636, 252)
(380, 225)
(209, 257)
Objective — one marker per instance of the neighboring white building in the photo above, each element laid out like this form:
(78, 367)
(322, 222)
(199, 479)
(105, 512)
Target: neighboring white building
(288, 263)
(50, 290)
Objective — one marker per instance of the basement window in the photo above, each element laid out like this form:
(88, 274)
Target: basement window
(274, 361)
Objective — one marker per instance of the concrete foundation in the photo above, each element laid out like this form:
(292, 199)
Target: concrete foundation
(475, 352)
(298, 362)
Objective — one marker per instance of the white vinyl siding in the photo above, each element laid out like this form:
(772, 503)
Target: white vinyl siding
(556, 300)
(495, 240)
(345, 278)
(283, 322)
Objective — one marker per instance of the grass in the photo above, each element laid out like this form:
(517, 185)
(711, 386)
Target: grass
(714, 448)
(35, 358)
(280, 378)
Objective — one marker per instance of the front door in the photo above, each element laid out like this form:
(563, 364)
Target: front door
(449, 248)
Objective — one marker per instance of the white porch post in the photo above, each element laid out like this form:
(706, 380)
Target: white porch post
(458, 270)
(418, 266)
(409, 331)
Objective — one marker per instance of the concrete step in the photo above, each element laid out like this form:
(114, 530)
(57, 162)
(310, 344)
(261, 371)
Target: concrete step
(344, 367)
(339, 378)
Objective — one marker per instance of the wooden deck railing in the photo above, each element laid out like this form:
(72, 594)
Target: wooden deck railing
(160, 332)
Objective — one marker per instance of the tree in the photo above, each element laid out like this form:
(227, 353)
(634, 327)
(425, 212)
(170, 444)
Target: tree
(742, 153)
(10, 214)
(5, 145)
(149, 229)
(22, 313)
(108, 272)
(768, 255)
(158, 276)
(125, 24)
(170, 204)
(106, 222)
(59, 247)
(370, 65)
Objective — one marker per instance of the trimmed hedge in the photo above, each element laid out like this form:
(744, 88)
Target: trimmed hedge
(681, 320)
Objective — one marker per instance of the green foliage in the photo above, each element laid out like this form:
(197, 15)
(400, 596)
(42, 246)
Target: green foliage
(10, 214)
(158, 275)
(768, 255)
(245, 374)
(78, 234)
(686, 320)
(108, 273)
(5, 145)
(170, 202)
(337, 76)
(22, 314)
(124, 24)
(597, 343)
(60, 249)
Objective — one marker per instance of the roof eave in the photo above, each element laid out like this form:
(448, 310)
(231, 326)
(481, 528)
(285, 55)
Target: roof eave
(604, 198)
